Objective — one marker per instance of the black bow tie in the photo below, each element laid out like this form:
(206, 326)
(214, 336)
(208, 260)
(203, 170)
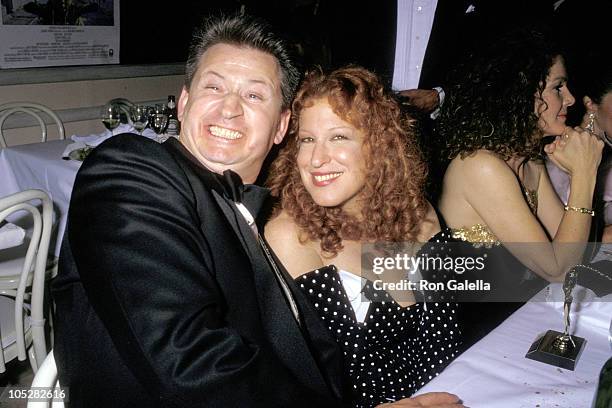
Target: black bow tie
(251, 195)
(232, 186)
(229, 185)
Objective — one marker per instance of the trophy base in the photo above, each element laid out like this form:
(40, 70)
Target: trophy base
(546, 350)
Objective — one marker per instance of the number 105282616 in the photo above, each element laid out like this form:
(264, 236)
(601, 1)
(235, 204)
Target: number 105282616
(34, 394)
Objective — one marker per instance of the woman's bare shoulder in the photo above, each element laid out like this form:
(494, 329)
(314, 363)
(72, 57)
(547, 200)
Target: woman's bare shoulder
(282, 226)
(283, 235)
(482, 163)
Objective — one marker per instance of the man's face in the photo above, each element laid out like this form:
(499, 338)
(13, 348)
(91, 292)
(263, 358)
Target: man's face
(231, 115)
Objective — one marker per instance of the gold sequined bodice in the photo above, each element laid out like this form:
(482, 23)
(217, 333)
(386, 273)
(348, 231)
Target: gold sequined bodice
(532, 200)
(479, 235)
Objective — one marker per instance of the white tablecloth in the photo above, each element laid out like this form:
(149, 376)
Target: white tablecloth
(40, 165)
(495, 373)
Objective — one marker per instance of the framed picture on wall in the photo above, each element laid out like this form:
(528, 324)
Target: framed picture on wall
(42, 33)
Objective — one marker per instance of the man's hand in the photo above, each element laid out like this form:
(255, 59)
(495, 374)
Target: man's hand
(428, 400)
(426, 100)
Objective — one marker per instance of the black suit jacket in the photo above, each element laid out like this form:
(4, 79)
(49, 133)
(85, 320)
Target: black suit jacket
(364, 32)
(165, 299)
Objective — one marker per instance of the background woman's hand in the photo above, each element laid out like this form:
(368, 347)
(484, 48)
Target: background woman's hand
(427, 400)
(575, 151)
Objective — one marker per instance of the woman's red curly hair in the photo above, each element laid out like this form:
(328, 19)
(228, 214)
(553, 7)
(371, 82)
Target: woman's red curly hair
(393, 201)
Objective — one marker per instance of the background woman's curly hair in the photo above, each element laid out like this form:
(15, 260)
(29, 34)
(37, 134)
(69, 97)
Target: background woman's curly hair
(490, 103)
(393, 203)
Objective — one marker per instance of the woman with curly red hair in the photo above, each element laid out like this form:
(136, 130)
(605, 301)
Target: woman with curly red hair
(351, 174)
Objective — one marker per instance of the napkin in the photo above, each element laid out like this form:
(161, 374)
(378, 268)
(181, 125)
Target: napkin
(10, 234)
(72, 147)
(94, 140)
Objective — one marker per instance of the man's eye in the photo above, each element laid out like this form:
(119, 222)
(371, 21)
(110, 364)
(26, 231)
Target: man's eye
(254, 97)
(212, 87)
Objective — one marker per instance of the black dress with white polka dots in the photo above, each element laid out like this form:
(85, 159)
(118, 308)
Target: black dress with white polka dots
(396, 350)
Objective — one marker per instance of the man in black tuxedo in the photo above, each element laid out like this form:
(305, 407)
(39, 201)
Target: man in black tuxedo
(165, 296)
(365, 33)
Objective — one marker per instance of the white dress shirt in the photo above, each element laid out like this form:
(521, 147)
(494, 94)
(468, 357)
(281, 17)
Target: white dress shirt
(414, 22)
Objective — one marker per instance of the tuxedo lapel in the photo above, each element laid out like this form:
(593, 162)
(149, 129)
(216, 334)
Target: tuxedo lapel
(281, 328)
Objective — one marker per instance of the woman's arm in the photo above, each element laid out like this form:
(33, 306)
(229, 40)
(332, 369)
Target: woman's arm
(550, 207)
(607, 235)
(492, 190)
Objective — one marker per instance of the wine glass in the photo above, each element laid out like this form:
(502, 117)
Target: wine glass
(158, 119)
(140, 117)
(159, 124)
(111, 116)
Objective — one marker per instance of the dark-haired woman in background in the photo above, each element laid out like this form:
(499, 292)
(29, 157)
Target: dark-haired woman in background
(496, 193)
(595, 84)
(351, 174)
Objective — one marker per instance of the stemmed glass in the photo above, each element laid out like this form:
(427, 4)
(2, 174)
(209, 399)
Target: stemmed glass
(111, 116)
(158, 119)
(140, 117)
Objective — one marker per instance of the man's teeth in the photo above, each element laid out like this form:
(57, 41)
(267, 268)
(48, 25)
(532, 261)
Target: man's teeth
(224, 133)
(327, 177)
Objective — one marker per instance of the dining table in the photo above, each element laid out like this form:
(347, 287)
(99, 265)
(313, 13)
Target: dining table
(495, 373)
(40, 166)
(51, 166)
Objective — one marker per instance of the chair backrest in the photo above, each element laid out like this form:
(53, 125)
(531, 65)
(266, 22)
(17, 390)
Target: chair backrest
(46, 377)
(37, 253)
(34, 110)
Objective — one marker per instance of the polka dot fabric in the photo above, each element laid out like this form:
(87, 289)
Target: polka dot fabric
(396, 350)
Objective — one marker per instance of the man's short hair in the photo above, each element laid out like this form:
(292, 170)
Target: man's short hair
(243, 31)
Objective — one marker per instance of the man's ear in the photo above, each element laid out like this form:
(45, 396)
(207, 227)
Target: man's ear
(589, 104)
(180, 108)
(283, 125)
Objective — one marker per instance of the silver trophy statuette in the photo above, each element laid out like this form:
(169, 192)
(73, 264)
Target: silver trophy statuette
(555, 348)
(562, 342)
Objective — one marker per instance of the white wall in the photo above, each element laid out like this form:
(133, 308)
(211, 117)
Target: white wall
(68, 98)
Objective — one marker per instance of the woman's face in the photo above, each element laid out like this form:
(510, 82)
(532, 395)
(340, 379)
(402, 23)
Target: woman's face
(551, 106)
(330, 157)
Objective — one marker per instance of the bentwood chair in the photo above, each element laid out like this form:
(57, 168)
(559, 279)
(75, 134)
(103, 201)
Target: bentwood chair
(34, 110)
(22, 282)
(46, 379)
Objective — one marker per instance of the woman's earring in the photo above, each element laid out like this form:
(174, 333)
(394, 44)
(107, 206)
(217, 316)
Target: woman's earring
(591, 123)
